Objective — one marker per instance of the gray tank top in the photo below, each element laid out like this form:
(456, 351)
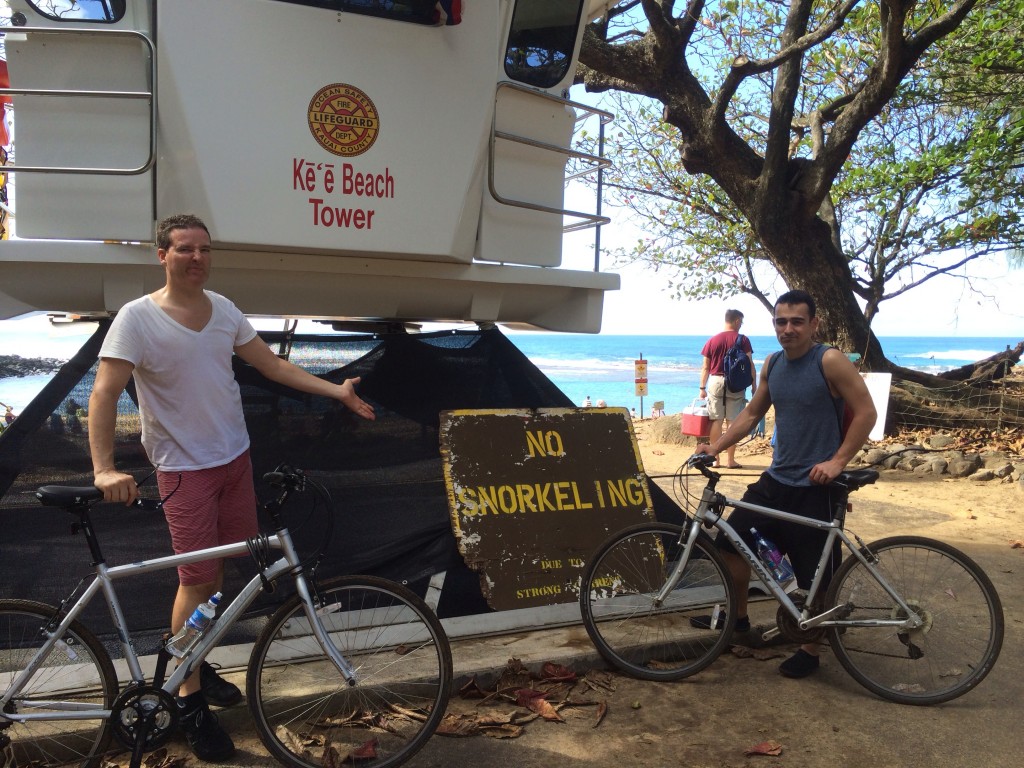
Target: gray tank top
(807, 424)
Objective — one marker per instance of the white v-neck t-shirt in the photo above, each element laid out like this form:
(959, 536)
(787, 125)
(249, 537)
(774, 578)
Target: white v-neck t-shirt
(191, 407)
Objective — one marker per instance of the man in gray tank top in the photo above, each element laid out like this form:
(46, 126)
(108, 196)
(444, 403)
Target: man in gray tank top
(809, 384)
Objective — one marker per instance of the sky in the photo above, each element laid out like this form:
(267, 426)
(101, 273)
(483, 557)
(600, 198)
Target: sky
(941, 307)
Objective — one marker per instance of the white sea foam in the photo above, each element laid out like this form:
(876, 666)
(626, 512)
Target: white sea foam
(954, 354)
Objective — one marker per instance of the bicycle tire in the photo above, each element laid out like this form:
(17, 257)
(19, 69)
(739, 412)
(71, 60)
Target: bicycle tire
(304, 709)
(78, 669)
(948, 656)
(632, 632)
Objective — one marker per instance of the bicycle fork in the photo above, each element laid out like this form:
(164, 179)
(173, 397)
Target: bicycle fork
(313, 613)
(704, 512)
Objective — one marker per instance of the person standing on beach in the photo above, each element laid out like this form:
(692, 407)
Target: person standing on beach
(722, 404)
(177, 343)
(810, 385)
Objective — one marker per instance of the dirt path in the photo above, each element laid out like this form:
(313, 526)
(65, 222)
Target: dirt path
(825, 720)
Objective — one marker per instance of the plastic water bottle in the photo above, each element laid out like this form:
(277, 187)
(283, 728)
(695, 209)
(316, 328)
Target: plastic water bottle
(186, 637)
(772, 558)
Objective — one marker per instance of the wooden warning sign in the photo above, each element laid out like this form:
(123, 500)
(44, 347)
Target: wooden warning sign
(533, 493)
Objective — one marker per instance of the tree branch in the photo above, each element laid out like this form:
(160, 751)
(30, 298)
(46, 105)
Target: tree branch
(897, 55)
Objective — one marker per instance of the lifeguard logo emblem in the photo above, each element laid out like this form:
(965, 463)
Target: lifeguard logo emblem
(343, 120)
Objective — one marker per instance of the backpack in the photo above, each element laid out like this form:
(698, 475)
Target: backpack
(739, 373)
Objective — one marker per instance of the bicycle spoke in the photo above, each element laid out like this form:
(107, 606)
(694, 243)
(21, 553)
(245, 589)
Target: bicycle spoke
(305, 712)
(961, 618)
(631, 629)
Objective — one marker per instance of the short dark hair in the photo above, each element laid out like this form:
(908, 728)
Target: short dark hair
(798, 297)
(177, 221)
(732, 315)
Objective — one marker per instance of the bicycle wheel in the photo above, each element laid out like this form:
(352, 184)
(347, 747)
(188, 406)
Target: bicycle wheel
(305, 712)
(949, 654)
(77, 674)
(631, 629)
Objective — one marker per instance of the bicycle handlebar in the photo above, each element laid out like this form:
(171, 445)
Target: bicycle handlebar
(286, 477)
(701, 462)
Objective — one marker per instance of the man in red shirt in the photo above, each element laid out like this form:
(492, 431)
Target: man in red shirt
(723, 404)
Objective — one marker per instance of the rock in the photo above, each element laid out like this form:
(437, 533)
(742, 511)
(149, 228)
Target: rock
(962, 468)
(984, 475)
(910, 463)
(873, 456)
(1003, 471)
(15, 366)
(940, 441)
(892, 461)
(939, 465)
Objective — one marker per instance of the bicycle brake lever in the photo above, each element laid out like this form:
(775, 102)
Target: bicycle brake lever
(700, 460)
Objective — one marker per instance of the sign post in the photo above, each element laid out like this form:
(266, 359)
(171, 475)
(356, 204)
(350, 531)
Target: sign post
(640, 378)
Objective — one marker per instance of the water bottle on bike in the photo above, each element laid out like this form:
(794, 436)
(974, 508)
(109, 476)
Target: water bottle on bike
(773, 559)
(186, 637)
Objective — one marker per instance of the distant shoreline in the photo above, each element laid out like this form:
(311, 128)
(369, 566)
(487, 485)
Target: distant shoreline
(15, 366)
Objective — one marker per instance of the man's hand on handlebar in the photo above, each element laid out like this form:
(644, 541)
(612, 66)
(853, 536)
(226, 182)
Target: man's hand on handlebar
(701, 458)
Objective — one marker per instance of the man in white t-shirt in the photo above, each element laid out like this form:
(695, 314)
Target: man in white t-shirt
(177, 342)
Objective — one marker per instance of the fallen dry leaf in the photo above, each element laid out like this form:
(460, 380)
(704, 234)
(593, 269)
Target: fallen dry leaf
(535, 701)
(458, 726)
(765, 748)
(599, 678)
(525, 695)
(1018, 544)
(761, 654)
(505, 731)
(543, 708)
(602, 710)
(367, 751)
(472, 690)
(556, 673)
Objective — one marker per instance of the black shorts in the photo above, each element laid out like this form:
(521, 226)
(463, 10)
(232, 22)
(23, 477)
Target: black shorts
(802, 544)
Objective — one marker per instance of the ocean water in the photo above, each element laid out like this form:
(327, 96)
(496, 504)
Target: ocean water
(601, 367)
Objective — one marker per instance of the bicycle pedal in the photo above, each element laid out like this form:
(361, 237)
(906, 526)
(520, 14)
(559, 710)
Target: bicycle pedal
(771, 634)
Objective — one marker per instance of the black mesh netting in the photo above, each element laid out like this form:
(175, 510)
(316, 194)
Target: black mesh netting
(384, 476)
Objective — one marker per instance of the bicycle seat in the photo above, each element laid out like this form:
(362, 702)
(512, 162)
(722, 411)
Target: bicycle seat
(858, 478)
(67, 495)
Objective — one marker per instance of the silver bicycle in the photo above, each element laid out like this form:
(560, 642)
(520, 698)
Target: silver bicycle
(912, 619)
(356, 669)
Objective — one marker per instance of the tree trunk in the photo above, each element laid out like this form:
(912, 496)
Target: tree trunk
(803, 251)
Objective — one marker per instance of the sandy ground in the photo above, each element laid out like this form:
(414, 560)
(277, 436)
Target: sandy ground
(828, 719)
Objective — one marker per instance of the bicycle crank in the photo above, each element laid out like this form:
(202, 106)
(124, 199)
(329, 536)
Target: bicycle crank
(144, 717)
(789, 627)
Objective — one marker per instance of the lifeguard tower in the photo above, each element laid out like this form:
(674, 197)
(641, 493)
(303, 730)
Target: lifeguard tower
(394, 161)
(369, 164)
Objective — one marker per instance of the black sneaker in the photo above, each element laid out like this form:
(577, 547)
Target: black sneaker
(216, 689)
(800, 664)
(207, 740)
(704, 622)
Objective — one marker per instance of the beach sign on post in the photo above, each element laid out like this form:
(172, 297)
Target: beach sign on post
(532, 493)
(640, 379)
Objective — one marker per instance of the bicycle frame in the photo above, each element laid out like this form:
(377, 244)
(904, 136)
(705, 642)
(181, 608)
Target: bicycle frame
(104, 581)
(709, 513)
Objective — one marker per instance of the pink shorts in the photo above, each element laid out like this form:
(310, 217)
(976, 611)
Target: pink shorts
(209, 507)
